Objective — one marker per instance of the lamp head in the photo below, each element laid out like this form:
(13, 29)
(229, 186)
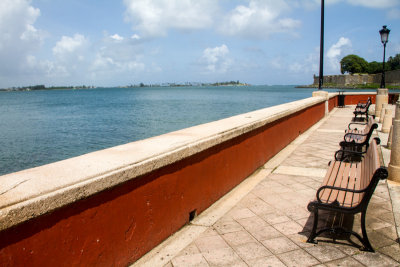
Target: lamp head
(384, 34)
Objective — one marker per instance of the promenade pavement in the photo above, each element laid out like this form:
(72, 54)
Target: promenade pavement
(265, 222)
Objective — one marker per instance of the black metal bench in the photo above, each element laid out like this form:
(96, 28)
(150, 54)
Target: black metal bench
(364, 103)
(357, 140)
(347, 189)
(361, 110)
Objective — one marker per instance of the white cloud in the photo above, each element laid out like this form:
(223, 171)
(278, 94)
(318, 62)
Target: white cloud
(364, 3)
(259, 19)
(117, 37)
(217, 59)
(19, 37)
(117, 56)
(70, 46)
(336, 52)
(155, 18)
(135, 37)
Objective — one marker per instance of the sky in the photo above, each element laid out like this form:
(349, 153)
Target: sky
(124, 42)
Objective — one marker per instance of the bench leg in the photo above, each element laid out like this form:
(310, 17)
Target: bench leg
(365, 241)
(313, 235)
(338, 230)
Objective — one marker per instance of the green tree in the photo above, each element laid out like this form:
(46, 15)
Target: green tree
(375, 67)
(394, 62)
(353, 64)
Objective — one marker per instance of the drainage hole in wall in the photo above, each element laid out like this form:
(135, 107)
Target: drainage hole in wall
(192, 215)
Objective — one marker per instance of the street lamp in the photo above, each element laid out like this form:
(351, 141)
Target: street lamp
(384, 38)
(321, 49)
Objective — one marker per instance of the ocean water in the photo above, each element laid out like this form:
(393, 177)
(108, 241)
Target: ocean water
(40, 127)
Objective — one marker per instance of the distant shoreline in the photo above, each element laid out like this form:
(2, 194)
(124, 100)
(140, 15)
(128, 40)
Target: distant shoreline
(141, 85)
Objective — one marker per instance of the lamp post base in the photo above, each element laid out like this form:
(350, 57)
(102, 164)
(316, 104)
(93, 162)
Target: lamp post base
(382, 97)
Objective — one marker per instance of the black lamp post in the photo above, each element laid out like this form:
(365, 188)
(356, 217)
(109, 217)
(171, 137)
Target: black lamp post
(384, 38)
(321, 49)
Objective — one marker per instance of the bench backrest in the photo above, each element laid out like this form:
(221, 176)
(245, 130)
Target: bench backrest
(366, 106)
(358, 178)
(371, 171)
(362, 138)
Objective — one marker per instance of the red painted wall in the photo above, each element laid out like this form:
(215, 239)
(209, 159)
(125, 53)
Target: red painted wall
(118, 226)
(354, 99)
(333, 102)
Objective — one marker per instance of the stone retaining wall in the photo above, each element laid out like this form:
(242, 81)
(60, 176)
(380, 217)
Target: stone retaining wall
(391, 78)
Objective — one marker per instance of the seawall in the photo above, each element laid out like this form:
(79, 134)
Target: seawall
(111, 206)
(391, 78)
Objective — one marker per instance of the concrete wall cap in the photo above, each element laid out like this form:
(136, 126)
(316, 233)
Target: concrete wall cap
(360, 93)
(36, 191)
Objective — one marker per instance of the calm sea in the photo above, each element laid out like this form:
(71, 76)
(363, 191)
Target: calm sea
(39, 127)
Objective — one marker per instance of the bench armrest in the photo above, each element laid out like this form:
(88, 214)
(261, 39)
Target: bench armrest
(356, 123)
(350, 135)
(339, 189)
(348, 155)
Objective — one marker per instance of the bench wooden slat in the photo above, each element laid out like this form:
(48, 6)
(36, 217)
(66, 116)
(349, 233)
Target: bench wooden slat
(339, 196)
(329, 180)
(353, 199)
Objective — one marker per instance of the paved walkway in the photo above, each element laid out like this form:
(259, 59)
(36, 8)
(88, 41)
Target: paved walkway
(265, 221)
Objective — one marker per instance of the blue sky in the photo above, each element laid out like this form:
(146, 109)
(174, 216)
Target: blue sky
(116, 43)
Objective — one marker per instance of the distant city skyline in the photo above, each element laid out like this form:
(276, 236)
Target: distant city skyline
(117, 43)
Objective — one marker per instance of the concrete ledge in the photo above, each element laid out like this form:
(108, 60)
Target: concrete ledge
(33, 192)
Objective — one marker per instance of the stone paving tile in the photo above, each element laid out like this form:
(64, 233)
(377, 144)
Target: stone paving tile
(210, 243)
(274, 218)
(195, 260)
(238, 238)
(288, 228)
(223, 257)
(209, 232)
(298, 212)
(325, 253)
(253, 224)
(280, 245)
(348, 262)
(374, 223)
(378, 240)
(386, 216)
(375, 259)
(249, 198)
(347, 248)
(266, 261)
(266, 233)
(241, 213)
(392, 251)
(190, 250)
(300, 240)
(251, 251)
(389, 232)
(297, 258)
(261, 207)
(227, 226)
